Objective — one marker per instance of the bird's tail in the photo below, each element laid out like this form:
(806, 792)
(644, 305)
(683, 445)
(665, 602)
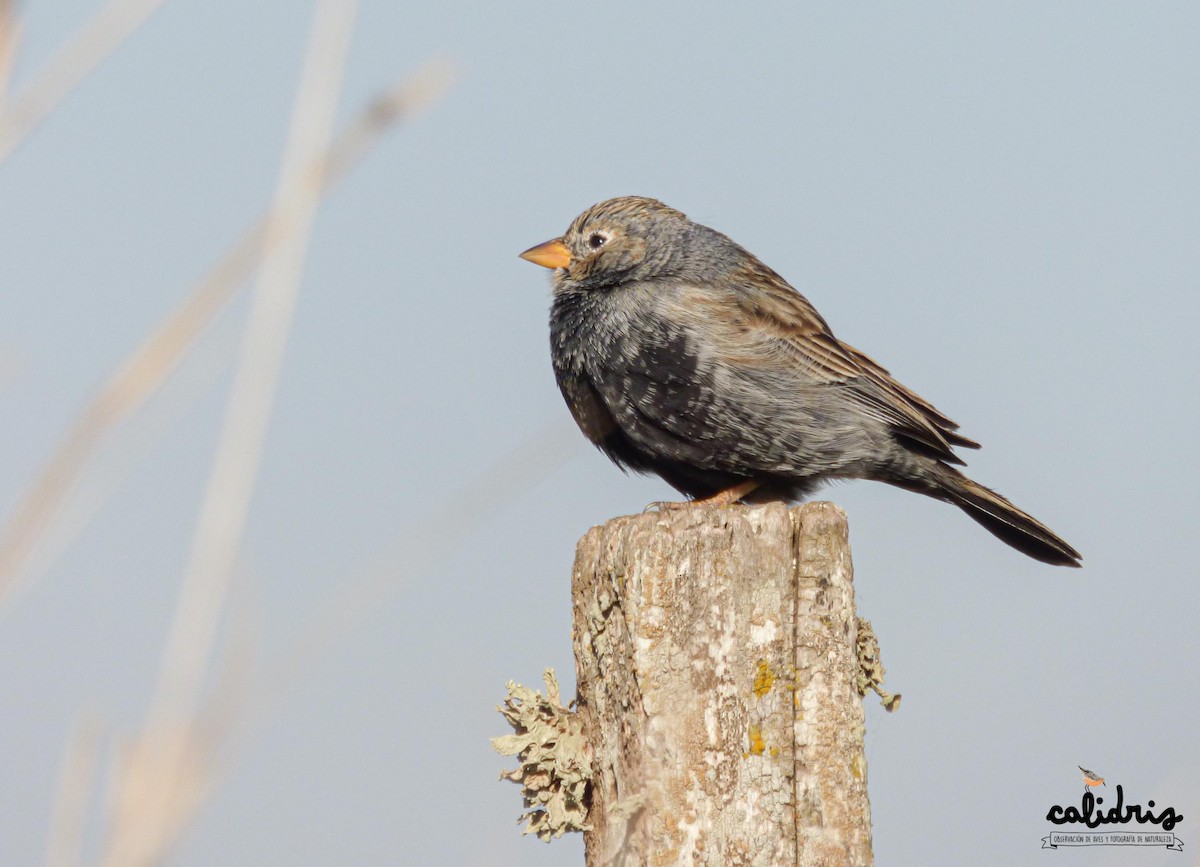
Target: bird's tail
(1002, 519)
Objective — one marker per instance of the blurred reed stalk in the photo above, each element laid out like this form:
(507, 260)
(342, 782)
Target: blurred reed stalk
(144, 371)
(166, 772)
(64, 846)
(8, 50)
(95, 41)
(416, 551)
(168, 769)
(226, 503)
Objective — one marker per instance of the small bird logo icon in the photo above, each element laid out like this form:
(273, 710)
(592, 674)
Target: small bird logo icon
(1091, 778)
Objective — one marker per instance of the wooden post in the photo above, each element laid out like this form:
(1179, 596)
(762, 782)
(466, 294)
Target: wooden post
(717, 668)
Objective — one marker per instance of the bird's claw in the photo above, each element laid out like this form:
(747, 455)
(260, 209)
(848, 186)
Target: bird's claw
(663, 506)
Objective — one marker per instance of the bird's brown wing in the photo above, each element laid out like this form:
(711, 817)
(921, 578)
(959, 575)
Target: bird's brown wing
(881, 375)
(768, 319)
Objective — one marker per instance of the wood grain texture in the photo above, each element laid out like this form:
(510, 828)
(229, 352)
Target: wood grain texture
(715, 655)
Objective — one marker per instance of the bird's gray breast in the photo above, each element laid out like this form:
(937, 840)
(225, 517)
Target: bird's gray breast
(573, 320)
(623, 365)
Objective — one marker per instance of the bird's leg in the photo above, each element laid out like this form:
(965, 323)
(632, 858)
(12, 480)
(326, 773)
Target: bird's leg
(727, 497)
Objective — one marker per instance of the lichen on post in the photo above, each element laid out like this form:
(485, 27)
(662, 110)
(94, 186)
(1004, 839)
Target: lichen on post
(555, 769)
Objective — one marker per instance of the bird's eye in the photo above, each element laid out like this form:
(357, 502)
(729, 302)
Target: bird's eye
(597, 240)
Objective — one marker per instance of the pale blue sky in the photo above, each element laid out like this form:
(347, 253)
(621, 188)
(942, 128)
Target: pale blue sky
(1000, 205)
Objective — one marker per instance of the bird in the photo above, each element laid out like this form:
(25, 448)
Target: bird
(1091, 778)
(680, 353)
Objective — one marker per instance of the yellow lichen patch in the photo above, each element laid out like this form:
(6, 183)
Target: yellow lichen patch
(764, 678)
(757, 745)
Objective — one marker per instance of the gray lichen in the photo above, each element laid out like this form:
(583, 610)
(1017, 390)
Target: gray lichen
(555, 769)
(870, 667)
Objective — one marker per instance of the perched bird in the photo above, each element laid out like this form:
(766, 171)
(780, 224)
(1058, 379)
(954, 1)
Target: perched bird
(680, 353)
(1091, 778)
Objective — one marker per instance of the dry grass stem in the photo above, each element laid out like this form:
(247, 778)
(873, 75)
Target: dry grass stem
(65, 844)
(9, 37)
(170, 768)
(152, 362)
(416, 551)
(120, 454)
(95, 41)
(160, 780)
(168, 763)
(164, 775)
(235, 469)
(242, 704)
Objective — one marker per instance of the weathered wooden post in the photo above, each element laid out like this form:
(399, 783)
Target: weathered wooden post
(719, 675)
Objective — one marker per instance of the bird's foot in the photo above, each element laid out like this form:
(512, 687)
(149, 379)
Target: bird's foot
(727, 497)
(663, 506)
(679, 505)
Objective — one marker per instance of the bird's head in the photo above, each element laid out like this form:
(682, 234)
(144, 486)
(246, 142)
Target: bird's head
(615, 241)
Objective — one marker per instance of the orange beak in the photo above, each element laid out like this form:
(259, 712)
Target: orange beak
(552, 254)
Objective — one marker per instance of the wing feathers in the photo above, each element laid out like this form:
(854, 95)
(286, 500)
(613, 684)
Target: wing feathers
(766, 319)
